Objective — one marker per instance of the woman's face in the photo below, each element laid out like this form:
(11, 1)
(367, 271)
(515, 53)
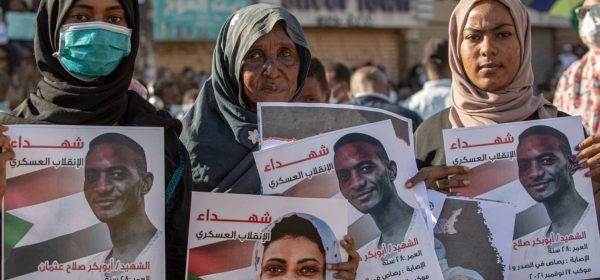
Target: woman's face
(109, 11)
(490, 49)
(292, 258)
(270, 68)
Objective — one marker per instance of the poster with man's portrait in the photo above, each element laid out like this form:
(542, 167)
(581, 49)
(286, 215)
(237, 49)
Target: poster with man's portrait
(280, 123)
(252, 237)
(363, 165)
(528, 164)
(83, 203)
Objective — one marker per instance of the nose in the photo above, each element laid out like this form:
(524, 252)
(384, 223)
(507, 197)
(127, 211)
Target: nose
(103, 185)
(271, 68)
(488, 47)
(356, 181)
(536, 172)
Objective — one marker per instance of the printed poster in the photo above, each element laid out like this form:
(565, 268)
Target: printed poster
(465, 224)
(528, 164)
(84, 203)
(280, 123)
(264, 237)
(363, 165)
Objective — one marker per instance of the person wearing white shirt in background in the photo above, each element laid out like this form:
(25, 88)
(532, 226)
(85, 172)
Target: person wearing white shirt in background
(435, 95)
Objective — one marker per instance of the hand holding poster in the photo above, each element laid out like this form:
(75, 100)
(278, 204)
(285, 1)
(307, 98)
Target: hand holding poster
(363, 165)
(529, 165)
(84, 203)
(264, 236)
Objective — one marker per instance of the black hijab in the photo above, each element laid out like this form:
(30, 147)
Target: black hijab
(64, 99)
(220, 129)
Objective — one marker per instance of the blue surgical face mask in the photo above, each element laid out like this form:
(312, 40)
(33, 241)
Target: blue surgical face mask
(92, 49)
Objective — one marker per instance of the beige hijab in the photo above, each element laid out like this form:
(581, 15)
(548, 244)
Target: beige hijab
(472, 106)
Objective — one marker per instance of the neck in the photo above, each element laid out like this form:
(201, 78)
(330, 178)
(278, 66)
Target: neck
(393, 219)
(130, 237)
(562, 210)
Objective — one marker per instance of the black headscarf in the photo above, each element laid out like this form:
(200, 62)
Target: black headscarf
(219, 130)
(64, 99)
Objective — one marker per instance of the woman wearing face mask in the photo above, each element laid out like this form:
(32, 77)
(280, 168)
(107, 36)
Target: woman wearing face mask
(578, 90)
(492, 78)
(88, 85)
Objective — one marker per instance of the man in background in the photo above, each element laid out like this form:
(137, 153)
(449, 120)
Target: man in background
(338, 77)
(369, 87)
(435, 95)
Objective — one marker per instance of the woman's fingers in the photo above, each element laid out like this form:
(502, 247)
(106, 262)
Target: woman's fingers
(344, 275)
(452, 183)
(346, 270)
(5, 156)
(587, 142)
(432, 175)
(5, 142)
(345, 266)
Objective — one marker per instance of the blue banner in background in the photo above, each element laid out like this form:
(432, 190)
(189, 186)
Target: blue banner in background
(192, 20)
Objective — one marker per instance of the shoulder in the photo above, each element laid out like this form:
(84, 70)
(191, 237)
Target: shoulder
(434, 124)
(429, 141)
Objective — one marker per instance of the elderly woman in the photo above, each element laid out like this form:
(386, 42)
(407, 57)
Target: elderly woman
(490, 59)
(79, 90)
(261, 55)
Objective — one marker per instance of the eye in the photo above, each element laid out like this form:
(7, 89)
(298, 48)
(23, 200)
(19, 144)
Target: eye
(80, 17)
(274, 270)
(548, 160)
(504, 35)
(472, 37)
(118, 175)
(365, 169)
(91, 176)
(524, 165)
(309, 270)
(343, 176)
(115, 19)
(253, 55)
(285, 53)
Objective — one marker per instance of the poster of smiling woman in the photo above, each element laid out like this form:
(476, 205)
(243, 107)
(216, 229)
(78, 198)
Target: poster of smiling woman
(84, 203)
(528, 164)
(264, 237)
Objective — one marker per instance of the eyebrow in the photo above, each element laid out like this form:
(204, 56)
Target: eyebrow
(89, 7)
(305, 260)
(277, 260)
(501, 25)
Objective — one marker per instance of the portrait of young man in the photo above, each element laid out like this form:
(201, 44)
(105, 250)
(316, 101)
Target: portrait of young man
(116, 181)
(366, 178)
(546, 174)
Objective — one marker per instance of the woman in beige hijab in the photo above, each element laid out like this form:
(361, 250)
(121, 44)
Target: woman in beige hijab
(492, 78)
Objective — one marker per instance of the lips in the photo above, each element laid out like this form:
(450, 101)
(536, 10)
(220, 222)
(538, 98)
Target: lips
(539, 185)
(363, 195)
(271, 89)
(106, 201)
(490, 68)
